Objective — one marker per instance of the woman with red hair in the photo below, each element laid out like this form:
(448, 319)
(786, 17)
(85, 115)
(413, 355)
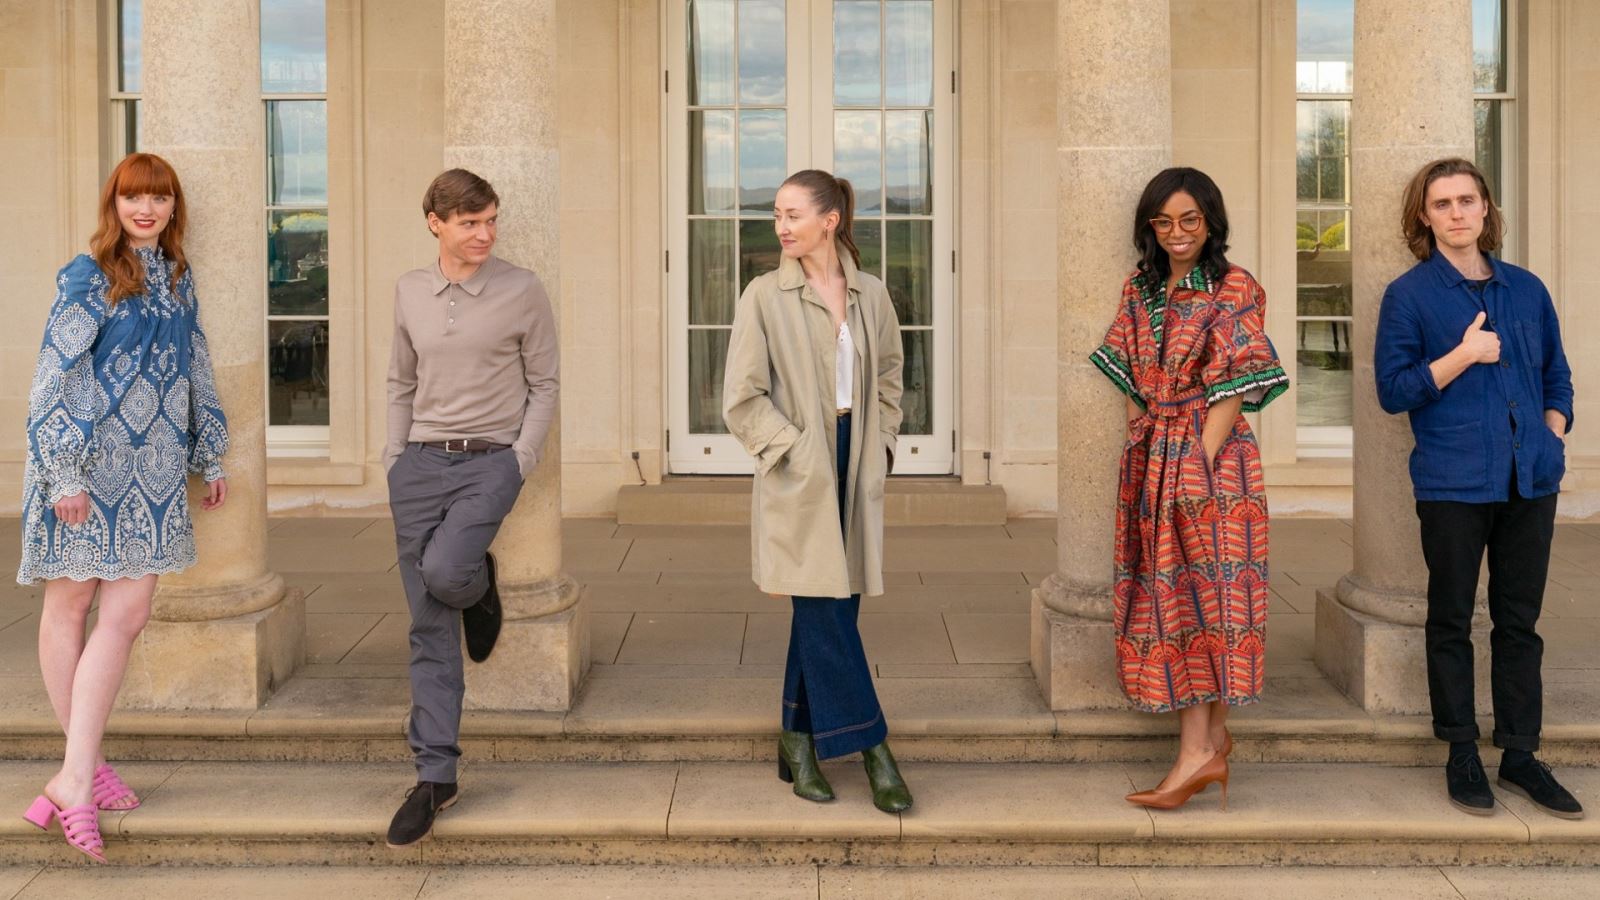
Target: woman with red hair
(123, 407)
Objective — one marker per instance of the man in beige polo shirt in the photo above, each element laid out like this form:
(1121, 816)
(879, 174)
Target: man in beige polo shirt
(472, 390)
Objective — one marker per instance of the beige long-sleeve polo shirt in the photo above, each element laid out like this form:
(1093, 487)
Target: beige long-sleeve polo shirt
(473, 359)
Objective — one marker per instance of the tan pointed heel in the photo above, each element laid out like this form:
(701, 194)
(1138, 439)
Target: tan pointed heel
(1215, 770)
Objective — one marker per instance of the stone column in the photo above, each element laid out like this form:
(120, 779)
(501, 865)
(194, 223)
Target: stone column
(500, 109)
(1413, 104)
(224, 634)
(1114, 131)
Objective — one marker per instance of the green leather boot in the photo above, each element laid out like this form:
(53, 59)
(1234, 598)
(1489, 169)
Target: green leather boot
(889, 791)
(797, 762)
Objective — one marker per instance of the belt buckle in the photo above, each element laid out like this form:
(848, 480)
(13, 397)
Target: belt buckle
(450, 449)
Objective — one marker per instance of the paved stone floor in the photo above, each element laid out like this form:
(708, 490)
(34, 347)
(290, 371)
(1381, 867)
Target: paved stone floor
(674, 602)
(798, 883)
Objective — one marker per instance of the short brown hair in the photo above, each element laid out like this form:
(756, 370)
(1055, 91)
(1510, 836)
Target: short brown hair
(457, 190)
(1414, 225)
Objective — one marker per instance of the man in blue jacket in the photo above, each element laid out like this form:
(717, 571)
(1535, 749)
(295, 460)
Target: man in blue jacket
(1471, 348)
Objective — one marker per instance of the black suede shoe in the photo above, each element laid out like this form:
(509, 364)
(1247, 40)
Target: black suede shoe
(1468, 785)
(414, 819)
(1538, 784)
(481, 621)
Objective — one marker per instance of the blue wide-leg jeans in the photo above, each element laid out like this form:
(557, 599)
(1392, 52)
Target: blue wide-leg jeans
(827, 685)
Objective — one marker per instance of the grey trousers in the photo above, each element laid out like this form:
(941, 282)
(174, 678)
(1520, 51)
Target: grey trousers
(447, 509)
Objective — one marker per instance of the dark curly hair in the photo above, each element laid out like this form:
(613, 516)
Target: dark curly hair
(1153, 261)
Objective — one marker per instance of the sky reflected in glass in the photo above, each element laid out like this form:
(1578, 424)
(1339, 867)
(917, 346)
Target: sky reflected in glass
(130, 71)
(294, 47)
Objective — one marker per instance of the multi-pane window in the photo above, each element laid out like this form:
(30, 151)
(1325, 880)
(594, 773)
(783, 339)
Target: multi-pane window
(126, 78)
(883, 143)
(763, 88)
(294, 80)
(1324, 58)
(1492, 89)
(738, 157)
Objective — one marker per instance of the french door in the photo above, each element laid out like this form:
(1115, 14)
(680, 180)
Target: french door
(757, 89)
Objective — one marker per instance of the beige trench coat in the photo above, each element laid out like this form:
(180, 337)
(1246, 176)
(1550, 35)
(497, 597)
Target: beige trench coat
(778, 400)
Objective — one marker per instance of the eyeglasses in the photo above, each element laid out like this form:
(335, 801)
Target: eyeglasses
(1189, 223)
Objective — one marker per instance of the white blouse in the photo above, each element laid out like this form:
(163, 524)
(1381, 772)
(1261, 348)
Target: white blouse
(844, 367)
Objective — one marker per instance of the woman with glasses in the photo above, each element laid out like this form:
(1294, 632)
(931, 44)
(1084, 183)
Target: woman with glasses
(1188, 350)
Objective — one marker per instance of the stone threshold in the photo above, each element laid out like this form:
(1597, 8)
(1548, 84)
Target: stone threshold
(739, 813)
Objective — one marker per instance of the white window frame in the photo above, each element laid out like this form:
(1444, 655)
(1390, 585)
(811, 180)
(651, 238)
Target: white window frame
(121, 102)
(809, 122)
(1509, 194)
(1324, 441)
(293, 441)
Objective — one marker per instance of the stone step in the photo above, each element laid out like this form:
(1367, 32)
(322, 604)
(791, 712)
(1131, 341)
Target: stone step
(718, 814)
(799, 882)
(662, 713)
(726, 501)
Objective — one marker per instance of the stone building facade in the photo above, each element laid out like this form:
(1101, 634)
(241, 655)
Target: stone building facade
(634, 143)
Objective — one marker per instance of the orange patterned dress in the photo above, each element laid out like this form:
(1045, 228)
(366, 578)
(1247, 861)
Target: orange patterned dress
(1191, 552)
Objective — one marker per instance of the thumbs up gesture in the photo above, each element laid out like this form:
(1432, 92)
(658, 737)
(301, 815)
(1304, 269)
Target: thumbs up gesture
(1482, 346)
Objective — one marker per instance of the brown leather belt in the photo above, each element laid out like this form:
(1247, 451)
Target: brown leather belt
(464, 445)
(841, 413)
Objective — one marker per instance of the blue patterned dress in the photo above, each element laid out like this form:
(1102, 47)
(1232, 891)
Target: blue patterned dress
(123, 406)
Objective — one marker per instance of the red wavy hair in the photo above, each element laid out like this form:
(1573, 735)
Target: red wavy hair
(138, 173)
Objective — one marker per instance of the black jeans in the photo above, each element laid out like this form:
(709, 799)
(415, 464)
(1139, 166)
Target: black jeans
(1517, 535)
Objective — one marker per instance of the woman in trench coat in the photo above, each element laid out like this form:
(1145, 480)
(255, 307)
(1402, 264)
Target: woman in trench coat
(812, 391)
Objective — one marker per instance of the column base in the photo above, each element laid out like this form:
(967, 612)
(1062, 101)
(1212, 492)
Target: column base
(1074, 659)
(537, 663)
(217, 664)
(1383, 665)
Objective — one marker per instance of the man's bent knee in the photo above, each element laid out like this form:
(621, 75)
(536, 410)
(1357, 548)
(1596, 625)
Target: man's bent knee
(451, 583)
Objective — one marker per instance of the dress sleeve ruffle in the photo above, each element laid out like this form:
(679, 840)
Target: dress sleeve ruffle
(66, 399)
(1242, 361)
(208, 427)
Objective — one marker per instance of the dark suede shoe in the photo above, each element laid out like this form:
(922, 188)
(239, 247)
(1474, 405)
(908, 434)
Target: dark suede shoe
(1468, 785)
(414, 819)
(1538, 784)
(481, 621)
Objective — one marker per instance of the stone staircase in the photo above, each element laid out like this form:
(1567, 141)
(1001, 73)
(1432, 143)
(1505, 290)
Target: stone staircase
(737, 813)
(664, 760)
(658, 770)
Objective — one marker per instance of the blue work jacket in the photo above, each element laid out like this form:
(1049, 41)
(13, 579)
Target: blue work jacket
(1488, 424)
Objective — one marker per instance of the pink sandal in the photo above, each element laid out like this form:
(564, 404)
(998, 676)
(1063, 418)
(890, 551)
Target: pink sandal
(111, 793)
(80, 825)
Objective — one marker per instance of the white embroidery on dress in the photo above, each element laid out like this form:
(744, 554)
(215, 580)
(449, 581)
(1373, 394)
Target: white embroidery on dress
(123, 404)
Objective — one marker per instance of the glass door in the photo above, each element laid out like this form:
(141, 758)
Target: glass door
(882, 118)
(758, 89)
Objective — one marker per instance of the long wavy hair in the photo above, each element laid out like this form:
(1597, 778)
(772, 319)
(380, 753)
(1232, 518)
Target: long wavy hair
(1153, 261)
(830, 193)
(138, 173)
(1413, 216)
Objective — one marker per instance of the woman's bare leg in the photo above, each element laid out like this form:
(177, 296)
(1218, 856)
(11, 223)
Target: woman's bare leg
(1195, 748)
(124, 610)
(61, 639)
(1219, 723)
